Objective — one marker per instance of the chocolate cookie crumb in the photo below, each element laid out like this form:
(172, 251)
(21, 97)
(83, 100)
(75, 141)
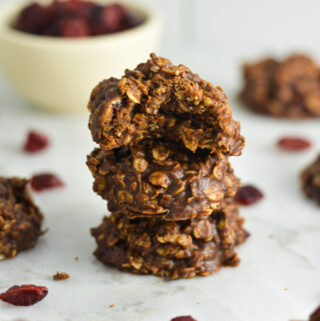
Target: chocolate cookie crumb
(60, 276)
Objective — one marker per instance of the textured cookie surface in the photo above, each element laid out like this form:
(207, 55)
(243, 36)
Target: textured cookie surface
(181, 249)
(20, 218)
(157, 178)
(160, 101)
(310, 180)
(289, 88)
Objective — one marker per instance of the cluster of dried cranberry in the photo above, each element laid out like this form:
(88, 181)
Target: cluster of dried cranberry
(75, 18)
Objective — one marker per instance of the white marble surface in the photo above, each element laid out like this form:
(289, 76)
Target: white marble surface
(284, 250)
(278, 279)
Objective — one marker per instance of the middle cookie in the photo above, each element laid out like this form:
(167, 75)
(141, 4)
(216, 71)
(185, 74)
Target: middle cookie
(158, 178)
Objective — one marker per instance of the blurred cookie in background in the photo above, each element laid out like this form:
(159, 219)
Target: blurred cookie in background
(286, 89)
(310, 180)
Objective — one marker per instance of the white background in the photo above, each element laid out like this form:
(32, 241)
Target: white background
(228, 32)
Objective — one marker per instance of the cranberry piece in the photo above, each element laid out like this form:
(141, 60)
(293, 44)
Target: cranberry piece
(24, 295)
(113, 16)
(96, 22)
(293, 143)
(315, 316)
(245, 234)
(60, 276)
(75, 27)
(35, 142)
(75, 18)
(32, 18)
(77, 8)
(248, 195)
(184, 318)
(45, 181)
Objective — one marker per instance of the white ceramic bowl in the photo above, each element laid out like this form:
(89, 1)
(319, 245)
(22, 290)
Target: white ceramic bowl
(58, 74)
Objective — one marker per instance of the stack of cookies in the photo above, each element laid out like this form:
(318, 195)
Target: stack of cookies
(165, 136)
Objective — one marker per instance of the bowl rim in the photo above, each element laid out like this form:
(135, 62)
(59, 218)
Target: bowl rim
(9, 10)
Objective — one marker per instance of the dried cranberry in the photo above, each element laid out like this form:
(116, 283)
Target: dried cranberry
(112, 17)
(75, 27)
(77, 8)
(24, 295)
(32, 18)
(315, 316)
(294, 143)
(96, 22)
(245, 234)
(35, 142)
(184, 318)
(248, 195)
(45, 181)
(75, 18)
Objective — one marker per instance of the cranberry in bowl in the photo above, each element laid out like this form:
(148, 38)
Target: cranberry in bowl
(53, 53)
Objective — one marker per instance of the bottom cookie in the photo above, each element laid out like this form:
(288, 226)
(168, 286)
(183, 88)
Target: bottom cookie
(20, 218)
(181, 249)
(310, 180)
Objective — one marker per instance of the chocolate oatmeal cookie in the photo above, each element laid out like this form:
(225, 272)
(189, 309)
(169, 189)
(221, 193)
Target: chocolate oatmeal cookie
(20, 218)
(181, 249)
(165, 136)
(160, 101)
(289, 88)
(157, 178)
(310, 181)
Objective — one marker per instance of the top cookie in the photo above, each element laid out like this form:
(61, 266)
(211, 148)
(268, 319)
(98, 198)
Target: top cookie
(160, 101)
(289, 88)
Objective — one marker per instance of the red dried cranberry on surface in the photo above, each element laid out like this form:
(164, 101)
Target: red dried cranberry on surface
(184, 318)
(248, 195)
(293, 143)
(45, 181)
(315, 316)
(245, 234)
(24, 295)
(35, 142)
